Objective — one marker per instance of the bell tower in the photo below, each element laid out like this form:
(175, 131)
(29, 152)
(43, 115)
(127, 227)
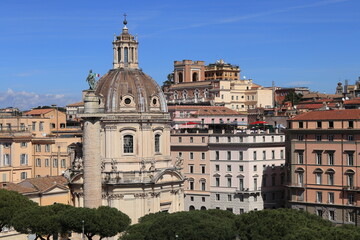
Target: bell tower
(125, 49)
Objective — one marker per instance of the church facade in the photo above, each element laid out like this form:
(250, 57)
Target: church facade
(126, 160)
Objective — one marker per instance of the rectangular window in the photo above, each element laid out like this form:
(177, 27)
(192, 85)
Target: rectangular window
(217, 182)
(23, 144)
(228, 168)
(331, 197)
(63, 163)
(331, 124)
(300, 157)
(350, 137)
(319, 197)
(331, 158)
(254, 155)
(318, 138)
(242, 211)
(351, 124)
(47, 148)
(203, 169)
(217, 155)
(41, 126)
(318, 124)
(7, 159)
(254, 139)
(351, 199)
(319, 212)
(23, 175)
(331, 138)
(229, 197)
(273, 154)
(300, 137)
(241, 156)
(241, 139)
(217, 139)
(23, 159)
(282, 154)
(191, 185)
(191, 155)
(55, 162)
(203, 156)
(38, 148)
(301, 124)
(217, 167)
(350, 158)
(263, 138)
(38, 162)
(191, 168)
(318, 157)
(180, 139)
(331, 179)
(272, 138)
(203, 139)
(241, 168)
(332, 215)
(255, 168)
(217, 196)
(191, 139)
(229, 182)
(229, 139)
(33, 126)
(228, 155)
(264, 155)
(47, 162)
(318, 178)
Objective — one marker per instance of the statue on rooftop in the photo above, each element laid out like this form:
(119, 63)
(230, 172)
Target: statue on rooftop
(91, 80)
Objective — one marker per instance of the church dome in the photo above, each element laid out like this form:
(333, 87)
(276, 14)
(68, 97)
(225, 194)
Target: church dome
(130, 90)
(125, 88)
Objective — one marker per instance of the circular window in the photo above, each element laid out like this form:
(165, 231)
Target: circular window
(154, 101)
(127, 100)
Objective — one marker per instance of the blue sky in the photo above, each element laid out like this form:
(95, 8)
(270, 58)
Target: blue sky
(48, 47)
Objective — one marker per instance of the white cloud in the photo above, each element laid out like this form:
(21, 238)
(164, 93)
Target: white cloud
(26, 100)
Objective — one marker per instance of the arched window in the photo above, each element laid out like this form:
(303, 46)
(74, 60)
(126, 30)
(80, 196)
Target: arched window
(350, 177)
(203, 208)
(180, 76)
(128, 144)
(191, 208)
(119, 54)
(196, 94)
(195, 77)
(126, 55)
(157, 143)
(184, 95)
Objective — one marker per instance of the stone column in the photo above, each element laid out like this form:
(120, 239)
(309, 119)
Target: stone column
(92, 163)
(91, 151)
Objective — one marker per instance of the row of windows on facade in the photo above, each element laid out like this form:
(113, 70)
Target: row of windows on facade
(330, 197)
(233, 139)
(229, 168)
(229, 155)
(22, 126)
(330, 176)
(128, 146)
(330, 157)
(24, 144)
(218, 74)
(24, 161)
(330, 124)
(329, 137)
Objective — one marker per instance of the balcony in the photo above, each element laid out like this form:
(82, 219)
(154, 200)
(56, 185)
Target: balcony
(248, 191)
(296, 185)
(351, 189)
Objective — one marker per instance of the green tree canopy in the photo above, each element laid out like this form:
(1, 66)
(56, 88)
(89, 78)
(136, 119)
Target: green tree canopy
(280, 224)
(104, 221)
(192, 225)
(10, 204)
(293, 97)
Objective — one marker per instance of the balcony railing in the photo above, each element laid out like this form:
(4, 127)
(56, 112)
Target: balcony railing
(248, 190)
(351, 188)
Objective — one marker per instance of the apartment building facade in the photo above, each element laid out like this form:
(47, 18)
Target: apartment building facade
(323, 164)
(232, 170)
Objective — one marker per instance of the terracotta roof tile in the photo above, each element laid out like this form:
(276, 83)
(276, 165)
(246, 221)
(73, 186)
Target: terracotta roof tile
(346, 114)
(38, 111)
(44, 183)
(77, 104)
(17, 188)
(352, 101)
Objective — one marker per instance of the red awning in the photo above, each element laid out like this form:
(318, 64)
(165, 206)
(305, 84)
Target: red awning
(258, 122)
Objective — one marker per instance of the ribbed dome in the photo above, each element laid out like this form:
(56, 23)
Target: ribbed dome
(130, 90)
